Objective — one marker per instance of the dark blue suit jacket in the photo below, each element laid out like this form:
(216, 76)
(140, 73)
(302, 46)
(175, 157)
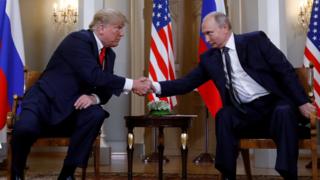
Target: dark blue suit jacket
(72, 71)
(261, 59)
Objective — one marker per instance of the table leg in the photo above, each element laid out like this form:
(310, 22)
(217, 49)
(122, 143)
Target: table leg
(184, 153)
(160, 150)
(130, 152)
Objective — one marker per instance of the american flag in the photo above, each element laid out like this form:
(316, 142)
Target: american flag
(312, 49)
(161, 66)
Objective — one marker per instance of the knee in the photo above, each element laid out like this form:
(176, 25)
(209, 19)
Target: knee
(224, 118)
(97, 113)
(283, 111)
(285, 114)
(21, 130)
(224, 115)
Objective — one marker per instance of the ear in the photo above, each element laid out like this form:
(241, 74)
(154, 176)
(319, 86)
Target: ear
(99, 30)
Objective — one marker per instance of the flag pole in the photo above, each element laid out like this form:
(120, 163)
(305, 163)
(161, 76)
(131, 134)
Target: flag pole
(154, 156)
(206, 157)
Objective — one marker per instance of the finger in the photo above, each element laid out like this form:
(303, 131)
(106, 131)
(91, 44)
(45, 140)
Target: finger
(143, 79)
(76, 103)
(85, 106)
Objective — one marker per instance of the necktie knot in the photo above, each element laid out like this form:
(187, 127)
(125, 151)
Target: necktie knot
(225, 49)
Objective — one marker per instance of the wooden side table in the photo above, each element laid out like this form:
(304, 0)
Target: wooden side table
(176, 121)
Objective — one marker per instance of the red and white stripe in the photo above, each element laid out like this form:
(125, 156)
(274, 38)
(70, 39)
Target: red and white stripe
(312, 54)
(161, 66)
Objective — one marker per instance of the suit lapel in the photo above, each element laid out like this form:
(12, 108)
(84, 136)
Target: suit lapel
(94, 45)
(242, 46)
(218, 65)
(241, 50)
(110, 56)
(215, 66)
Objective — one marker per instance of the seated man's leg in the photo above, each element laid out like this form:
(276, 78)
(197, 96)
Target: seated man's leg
(87, 126)
(25, 133)
(283, 128)
(231, 124)
(227, 142)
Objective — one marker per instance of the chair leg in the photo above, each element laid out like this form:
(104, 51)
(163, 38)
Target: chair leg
(246, 162)
(84, 172)
(96, 157)
(9, 157)
(314, 164)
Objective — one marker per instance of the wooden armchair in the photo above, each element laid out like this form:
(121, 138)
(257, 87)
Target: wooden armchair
(30, 78)
(306, 141)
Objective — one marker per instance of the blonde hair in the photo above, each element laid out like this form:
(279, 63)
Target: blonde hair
(107, 16)
(220, 18)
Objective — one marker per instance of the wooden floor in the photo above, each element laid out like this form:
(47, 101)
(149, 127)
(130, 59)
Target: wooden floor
(45, 163)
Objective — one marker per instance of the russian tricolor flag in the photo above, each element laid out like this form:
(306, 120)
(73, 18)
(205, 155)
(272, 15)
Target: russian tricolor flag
(11, 56)
(208, 90)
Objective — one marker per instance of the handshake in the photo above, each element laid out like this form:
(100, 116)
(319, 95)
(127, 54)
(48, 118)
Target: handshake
(142, 86)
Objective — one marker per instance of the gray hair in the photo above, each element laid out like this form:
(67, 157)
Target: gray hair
(220, 18)
(107, 16)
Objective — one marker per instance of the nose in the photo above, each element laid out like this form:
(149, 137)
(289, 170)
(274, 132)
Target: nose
(207, 38)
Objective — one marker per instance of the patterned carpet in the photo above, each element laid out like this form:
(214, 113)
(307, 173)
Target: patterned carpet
(123, 176)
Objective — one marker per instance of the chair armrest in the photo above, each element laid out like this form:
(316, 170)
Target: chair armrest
(10, 120)
(11, 115)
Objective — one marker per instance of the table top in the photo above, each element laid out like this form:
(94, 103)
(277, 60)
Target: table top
(178, 120)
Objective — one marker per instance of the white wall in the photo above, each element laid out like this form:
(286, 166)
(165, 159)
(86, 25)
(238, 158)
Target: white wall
(41, 36)
(295, 36)
(114, 127)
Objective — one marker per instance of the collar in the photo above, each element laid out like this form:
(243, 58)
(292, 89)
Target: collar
(99, 43)
(230, 43)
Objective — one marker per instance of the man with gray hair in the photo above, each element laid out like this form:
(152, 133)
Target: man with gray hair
(260, 93)
(66, 99)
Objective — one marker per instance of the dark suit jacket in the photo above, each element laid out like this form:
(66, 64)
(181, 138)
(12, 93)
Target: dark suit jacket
(261, 59)
(74, 70)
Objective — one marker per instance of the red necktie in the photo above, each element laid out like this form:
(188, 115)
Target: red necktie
(102, 56)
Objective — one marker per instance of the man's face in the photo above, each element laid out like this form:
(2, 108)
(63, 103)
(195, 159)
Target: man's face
(111, 34)
(216, 36)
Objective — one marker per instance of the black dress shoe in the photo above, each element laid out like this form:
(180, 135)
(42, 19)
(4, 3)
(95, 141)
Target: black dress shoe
(16, 177)
(70, 177)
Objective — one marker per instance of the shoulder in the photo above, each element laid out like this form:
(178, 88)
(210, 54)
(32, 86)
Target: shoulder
(252, 39)
(82, 34)
(79, 38)
(251, 36)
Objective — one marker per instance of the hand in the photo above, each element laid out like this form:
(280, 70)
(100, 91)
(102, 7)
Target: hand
(307, 109)
(153, 89)
(85, 101)
(141, 86)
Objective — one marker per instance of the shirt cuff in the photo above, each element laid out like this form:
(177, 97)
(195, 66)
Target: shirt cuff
(157, 87)
(97, 98)
(127, 86)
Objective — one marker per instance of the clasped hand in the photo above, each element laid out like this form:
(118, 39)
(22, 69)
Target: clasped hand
(142, 86)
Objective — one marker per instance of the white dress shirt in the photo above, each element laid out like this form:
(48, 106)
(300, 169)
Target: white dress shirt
(128, 83)
(246, 88)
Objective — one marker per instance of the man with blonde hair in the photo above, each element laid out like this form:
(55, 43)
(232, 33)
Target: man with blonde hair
(66, 99)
